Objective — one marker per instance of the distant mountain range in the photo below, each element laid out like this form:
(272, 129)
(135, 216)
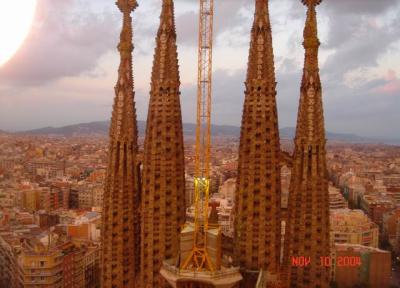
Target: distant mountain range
(189, 129)
(102, 127)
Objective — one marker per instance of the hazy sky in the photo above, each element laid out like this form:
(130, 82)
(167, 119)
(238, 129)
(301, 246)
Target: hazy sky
(66, 70)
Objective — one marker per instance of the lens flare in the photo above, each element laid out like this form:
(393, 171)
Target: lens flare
(16, 18)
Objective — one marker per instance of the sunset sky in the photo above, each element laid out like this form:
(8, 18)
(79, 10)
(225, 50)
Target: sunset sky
(65, 70)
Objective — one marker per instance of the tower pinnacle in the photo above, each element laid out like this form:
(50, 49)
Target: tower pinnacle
(310, 3)
(126, 6)
(121, 230)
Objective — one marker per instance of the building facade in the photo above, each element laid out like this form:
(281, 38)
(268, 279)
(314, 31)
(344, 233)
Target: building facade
(373, 270)
(353, 227)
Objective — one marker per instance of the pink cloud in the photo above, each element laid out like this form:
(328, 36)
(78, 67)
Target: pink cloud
(373, 23)
(392, 84)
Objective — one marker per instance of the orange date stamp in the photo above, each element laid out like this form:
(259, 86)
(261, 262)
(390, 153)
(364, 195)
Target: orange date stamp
(327, 261)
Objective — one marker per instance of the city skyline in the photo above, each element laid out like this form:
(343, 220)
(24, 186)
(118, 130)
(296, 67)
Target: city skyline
(351, 77)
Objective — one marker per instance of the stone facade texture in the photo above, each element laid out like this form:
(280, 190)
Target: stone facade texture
(258, 196)
(163, 199)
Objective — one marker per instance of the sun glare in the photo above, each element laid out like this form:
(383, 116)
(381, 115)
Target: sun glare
(16, 17)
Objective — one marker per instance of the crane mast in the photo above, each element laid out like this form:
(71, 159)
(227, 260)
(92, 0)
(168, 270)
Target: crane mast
(203, 129)
(199, 258)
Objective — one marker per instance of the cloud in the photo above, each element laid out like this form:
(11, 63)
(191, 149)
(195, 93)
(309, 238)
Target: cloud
(355, 7)
(68, 66)
(391, 85)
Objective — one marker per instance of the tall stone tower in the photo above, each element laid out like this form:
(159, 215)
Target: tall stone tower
(163, 199)
(258, 195)
(121, 230)
(307, 230)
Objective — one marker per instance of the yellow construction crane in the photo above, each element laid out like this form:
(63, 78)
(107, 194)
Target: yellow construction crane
(199, 258)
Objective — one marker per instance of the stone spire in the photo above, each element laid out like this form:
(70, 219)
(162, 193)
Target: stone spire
(258, 194)
(163, 200)
(307, 230)
(121, 230)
